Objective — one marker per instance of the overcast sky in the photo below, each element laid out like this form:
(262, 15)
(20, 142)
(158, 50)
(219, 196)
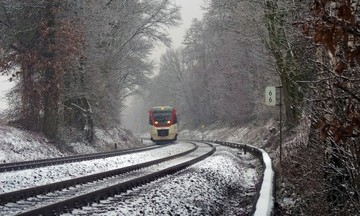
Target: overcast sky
(190, 9)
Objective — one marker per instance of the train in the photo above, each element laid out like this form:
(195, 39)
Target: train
(163, 124)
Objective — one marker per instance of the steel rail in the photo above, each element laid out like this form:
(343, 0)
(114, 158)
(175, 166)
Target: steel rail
(97, 195)
(43, 189)
(68, 159)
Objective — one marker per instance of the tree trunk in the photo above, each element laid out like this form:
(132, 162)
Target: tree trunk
(51, 95)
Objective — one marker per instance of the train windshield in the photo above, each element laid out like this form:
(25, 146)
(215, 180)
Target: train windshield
(162, 116)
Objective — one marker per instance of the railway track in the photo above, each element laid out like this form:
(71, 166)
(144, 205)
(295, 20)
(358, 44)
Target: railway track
(5, 167)
(66, 195)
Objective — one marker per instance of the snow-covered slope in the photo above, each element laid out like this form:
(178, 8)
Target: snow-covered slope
(19, 145)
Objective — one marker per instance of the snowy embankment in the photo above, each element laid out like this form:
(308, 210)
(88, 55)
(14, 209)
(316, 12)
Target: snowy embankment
(265, 202)
(19, 145)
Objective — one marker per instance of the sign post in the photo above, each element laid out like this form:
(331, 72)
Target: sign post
(280, 105)
(270, 96)
(270, 100)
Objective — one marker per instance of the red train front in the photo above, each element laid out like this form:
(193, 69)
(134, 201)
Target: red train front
(163, 124)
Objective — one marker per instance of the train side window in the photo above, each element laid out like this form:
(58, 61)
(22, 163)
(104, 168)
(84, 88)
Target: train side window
(150, 121)
(175, 119)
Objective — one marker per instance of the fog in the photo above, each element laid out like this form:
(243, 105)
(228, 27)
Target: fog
(135, 116)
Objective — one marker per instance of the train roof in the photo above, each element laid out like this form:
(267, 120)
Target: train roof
(162, 108)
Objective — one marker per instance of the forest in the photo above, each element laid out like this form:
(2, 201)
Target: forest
(75, 62)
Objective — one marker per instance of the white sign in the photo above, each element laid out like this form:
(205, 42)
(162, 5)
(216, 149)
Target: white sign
(270, 96)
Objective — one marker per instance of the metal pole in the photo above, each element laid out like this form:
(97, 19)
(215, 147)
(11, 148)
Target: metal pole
(280, 104)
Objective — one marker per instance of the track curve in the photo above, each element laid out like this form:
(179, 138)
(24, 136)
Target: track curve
(141, 177)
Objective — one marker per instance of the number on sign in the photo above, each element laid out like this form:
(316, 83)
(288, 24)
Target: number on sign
(270, 96)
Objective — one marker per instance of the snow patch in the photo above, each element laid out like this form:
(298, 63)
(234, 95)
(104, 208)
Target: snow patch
(5, 87)
(17, 145)
(265, 202)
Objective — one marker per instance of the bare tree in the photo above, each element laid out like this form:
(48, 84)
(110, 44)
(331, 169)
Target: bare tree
(120, 39)
(335, 26)
(39, 39)
(227, 59)
(286, 45)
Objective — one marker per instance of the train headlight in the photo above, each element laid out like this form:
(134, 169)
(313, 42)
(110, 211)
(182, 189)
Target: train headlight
(156, 122)
(169, 122)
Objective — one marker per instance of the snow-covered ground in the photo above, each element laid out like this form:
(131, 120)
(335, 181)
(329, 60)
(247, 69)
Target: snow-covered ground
(205, 189)
(22, 179)
(210, 188)
(223, 184)
(18, 145)
(251, 134)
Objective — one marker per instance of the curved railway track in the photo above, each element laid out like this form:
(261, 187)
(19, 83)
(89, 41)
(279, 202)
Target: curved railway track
(5, 167)
(63, 196)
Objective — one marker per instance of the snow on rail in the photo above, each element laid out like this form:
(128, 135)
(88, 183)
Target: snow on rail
(265, 202)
